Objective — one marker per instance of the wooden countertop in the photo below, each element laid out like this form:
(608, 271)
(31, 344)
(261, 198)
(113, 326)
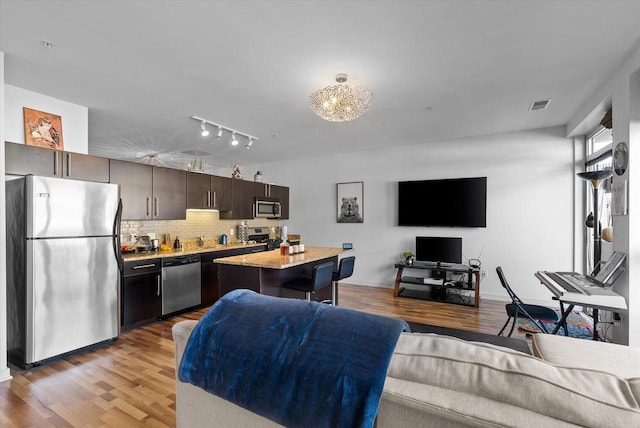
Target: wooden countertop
(173, 253)
(273, 260)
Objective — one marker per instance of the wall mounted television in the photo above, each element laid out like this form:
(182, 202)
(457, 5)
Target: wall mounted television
(439, 249)
(454, 202)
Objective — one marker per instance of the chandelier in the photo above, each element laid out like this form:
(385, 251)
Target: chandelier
(342, 102)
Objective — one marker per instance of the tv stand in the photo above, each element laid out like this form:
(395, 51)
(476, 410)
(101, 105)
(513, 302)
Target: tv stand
(441, 282)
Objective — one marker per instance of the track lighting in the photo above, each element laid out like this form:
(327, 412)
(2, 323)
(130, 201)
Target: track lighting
(204, 132)
(234, 139)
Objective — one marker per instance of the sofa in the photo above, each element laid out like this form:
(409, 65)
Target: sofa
(440, 381)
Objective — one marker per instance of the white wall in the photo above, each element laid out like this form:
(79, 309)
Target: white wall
(530, 205)
(75, 118)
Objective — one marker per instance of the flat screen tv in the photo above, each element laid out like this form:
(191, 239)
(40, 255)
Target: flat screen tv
(439, 249)
(455, 202)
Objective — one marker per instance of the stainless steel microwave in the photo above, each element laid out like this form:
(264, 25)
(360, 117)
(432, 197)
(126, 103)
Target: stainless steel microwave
(266, 208)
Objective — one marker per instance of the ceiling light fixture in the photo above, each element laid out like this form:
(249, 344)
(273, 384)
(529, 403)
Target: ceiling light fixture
(205, 131)
(234, 139)
(342, 102)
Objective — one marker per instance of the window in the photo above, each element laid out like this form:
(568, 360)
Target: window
(599, 148)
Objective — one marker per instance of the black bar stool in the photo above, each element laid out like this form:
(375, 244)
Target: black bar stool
(322, 276)
(345, 270)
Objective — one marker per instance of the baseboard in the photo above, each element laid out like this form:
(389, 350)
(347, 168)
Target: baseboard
(5, 374)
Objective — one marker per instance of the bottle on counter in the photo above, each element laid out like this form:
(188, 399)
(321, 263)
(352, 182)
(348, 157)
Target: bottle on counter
(284, 248)
(176, 243)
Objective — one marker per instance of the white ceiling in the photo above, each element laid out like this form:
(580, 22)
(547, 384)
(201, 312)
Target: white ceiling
(439, 70)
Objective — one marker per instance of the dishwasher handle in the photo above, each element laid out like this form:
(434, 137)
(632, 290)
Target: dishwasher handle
(179, 261)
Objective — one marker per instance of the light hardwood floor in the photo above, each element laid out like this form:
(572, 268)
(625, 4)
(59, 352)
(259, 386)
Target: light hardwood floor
(131, 382)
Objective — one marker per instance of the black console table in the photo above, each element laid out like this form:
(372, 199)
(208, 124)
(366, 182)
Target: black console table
(437, 280)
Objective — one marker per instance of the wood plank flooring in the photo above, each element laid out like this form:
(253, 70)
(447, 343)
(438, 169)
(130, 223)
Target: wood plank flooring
(131, 382)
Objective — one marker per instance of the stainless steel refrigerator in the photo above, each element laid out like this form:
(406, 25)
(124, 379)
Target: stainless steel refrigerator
(63, 264)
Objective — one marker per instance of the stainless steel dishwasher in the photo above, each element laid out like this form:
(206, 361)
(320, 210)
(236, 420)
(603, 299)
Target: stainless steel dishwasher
(180, 283)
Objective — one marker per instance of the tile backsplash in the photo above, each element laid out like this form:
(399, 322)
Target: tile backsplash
(198, 222)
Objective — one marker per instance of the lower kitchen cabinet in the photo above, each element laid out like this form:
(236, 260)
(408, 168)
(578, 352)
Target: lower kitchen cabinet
(210, 288)
(140, 298)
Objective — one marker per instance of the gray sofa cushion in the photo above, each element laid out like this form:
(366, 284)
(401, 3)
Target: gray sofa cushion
(527, 387)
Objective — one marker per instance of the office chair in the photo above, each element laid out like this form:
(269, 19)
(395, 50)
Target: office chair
(321, 278)
(517, 308)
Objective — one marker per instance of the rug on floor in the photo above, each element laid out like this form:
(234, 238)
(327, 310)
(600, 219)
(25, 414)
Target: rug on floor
(578, 325)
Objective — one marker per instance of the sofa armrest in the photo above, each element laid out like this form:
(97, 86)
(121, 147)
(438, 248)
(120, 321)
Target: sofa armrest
(620, 360)
(181, 332)
(195, 407)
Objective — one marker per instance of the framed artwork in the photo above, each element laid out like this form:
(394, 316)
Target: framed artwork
(620, 158)
(619, 197)
(42, 129)
(350, 202)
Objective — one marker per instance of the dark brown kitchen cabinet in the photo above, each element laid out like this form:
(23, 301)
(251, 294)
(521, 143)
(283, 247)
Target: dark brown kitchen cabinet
(282, 194)
(140, 300)
(221, 193)
(150, 192)
(169, 194)
(242, 198)
(208, 192)
(209, 274)
(21, 159)
(136, 188)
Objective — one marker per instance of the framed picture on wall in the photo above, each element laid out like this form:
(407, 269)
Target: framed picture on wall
(42, 129)
(619, 197)
(350, 202)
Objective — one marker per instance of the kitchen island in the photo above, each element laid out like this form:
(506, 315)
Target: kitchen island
(267, 272)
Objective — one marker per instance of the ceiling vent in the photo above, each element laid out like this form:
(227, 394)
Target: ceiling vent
(539, 105)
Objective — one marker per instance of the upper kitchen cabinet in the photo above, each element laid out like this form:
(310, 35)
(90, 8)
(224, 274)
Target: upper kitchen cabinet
(282, 194)
(136, 188)
(242, 198)
(21, 159)
(208, 192)
(150, 192)
(169, 194)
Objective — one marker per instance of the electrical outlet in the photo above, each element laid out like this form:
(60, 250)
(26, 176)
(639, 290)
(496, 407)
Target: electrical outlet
(484, 273)
(134, 237)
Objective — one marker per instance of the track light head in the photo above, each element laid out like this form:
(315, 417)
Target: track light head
(219, 136)
(249, 143)
(234, 141)
(205, 131)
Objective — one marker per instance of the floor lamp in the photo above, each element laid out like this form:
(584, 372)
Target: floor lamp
(596, 177)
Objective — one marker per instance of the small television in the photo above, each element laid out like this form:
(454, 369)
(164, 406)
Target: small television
(455, 202)
(439, 249)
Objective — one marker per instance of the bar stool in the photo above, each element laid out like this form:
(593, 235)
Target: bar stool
(321, 278)
(345, 270)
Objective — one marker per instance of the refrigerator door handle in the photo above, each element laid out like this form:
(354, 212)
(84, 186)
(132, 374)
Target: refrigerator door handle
(68, 164)
(116, 237)
(55, 162)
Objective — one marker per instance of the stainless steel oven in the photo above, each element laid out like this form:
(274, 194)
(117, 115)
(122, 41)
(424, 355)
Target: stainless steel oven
(265, 207)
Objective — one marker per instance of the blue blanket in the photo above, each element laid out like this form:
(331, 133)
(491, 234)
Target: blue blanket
(298, 363)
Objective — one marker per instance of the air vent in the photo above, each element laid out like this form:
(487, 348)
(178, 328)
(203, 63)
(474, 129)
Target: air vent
(539, 105)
